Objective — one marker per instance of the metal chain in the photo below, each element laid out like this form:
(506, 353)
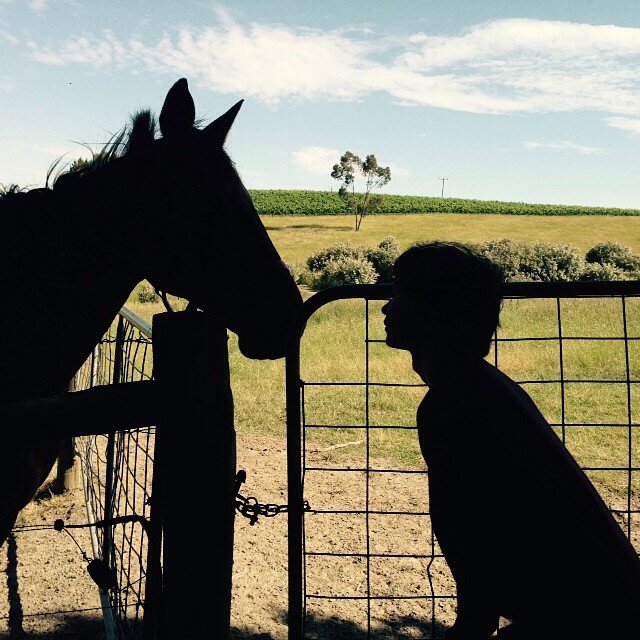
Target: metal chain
(252, 509)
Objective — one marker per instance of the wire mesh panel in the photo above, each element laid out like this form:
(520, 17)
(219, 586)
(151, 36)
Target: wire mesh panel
(365, 554)
(118, 470)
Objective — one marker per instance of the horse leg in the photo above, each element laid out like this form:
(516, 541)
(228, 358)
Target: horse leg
(23, 470)
(7, 522)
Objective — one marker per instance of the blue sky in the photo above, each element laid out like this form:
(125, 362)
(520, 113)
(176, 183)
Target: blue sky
(533, 101)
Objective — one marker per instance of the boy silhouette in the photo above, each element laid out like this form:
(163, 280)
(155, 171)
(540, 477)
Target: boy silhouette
(525, 534)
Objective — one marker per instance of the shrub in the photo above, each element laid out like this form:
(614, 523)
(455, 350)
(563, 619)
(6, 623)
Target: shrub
(344, 270)
(318, 261)
(540, 261)
(383, 258)
(146, 294)
(613, 254)
(607, 271)
(298, 272)
(506, 254)
(544, 261)
(390, 244)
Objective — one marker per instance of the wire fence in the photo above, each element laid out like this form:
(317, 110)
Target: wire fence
(118, 470)
(364, 553)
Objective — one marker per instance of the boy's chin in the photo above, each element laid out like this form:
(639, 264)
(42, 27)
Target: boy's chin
(395, 343)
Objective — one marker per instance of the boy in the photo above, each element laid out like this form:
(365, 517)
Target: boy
(525, 534)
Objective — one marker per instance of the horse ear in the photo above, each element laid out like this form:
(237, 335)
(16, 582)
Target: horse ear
(178, 111)
(219, 128)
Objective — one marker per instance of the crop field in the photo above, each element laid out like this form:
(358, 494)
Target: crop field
(318, 203)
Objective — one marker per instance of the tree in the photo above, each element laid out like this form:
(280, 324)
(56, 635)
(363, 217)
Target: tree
(375, 176)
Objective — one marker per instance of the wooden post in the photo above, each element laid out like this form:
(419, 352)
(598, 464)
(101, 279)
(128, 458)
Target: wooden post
(68, 465)
(196, 465)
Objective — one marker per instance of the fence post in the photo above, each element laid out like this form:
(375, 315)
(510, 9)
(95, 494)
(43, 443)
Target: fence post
(196, 463)
(68, 464)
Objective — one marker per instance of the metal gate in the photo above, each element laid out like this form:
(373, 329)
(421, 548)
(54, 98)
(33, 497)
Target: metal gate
(363, 560)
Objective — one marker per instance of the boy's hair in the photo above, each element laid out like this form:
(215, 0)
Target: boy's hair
(458, 289)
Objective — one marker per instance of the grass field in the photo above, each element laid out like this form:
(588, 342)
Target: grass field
(297, 237)
(333, 348)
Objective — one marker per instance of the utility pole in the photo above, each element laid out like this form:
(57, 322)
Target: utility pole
(443, 179)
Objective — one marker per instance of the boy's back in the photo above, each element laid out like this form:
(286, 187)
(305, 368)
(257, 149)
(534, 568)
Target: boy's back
(525, 534)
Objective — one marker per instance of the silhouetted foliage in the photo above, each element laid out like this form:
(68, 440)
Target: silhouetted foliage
(11, 188)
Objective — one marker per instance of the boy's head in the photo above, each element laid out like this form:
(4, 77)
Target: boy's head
(447, 297)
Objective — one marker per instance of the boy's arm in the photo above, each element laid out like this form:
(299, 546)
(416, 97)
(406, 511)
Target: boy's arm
(471, 556)
(475, 619)
(463, 501)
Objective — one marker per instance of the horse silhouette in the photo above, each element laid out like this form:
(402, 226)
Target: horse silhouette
(169, 209)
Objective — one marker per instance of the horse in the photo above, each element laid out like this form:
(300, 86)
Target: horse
(170, 209)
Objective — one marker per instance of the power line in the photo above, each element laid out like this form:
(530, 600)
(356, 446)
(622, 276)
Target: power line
(443, 179)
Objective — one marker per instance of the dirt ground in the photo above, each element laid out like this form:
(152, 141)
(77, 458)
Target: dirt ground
(46, 592)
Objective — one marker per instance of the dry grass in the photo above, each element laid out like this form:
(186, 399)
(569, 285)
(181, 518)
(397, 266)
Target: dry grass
(297, 237)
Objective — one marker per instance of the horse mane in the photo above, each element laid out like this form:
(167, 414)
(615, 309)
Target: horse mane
(138, 136)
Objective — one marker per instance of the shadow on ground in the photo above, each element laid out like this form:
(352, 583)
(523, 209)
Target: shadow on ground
(76, 626)
(320, 227)
(401, 628)
(79, 627)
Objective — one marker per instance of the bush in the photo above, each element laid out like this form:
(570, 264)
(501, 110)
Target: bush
(506, 254)
(318, 261)
(146, 294)
(344, 270)
(383, 258)
(544, 261)
(298, 272)
(596, 271)
(539, 261)
(613, 254)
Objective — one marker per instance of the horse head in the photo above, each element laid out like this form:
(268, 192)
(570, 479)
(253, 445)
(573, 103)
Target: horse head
(205, 240)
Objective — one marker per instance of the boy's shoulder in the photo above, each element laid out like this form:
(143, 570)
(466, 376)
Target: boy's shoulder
(481, 392)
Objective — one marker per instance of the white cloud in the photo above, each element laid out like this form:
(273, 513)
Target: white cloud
(9, 37)
(86, 50)
(318, 160)
(629, 124)
(528, 40)
(398, 172)
(503, 66)
(37, 5)
(562, 145)
(540, 65)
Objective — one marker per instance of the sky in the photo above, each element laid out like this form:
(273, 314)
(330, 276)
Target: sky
(526, 100)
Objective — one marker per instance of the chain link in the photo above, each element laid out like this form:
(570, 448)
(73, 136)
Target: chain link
(251, 509)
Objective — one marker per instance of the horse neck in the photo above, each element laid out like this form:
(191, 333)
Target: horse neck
(66, 278)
